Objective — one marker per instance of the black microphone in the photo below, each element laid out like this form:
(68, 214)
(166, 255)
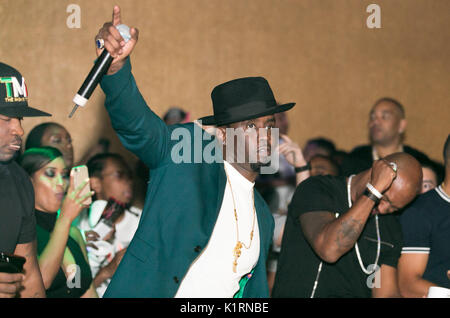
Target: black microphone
(100, 68)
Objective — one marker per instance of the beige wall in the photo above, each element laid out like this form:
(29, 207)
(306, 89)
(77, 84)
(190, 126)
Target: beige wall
(319, 54)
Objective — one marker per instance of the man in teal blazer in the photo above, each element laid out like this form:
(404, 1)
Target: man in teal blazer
(183, 199)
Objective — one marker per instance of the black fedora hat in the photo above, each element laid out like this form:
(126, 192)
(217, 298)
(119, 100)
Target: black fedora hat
(243, 99)
(14, 94)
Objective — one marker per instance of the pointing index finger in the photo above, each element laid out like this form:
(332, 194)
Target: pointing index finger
(116, 16)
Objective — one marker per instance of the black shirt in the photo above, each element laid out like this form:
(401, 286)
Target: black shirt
(17, 220)
(298, 264)
(426, 230)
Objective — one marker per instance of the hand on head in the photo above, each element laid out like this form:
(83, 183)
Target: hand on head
(398, 188)
(114, 43)
(382, 175)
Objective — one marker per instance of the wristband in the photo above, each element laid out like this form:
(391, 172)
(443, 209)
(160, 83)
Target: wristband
(302, 168)
(374, 191)
(371, 196)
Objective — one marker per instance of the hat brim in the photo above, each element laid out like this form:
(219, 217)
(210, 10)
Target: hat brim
(22, 111)
(211, 120)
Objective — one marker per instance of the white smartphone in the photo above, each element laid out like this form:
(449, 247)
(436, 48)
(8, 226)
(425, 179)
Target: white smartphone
(80, 175)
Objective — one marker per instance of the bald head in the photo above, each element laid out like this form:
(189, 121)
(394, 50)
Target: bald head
(408, 182)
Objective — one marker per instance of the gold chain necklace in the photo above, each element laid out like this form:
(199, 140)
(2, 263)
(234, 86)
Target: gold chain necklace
(240, 244)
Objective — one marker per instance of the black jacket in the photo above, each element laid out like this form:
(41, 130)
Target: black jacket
(360, 159)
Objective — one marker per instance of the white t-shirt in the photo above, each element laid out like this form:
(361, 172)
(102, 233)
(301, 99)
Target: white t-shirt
(106, 251)
(211, 274)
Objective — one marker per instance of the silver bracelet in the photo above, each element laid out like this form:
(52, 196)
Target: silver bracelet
(374, 191)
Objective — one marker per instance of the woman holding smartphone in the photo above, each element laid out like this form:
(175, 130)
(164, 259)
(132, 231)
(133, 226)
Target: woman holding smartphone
(61, 250)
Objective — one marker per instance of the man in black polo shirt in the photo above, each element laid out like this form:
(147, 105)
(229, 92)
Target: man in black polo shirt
(17, 220)
(425, 259)
(340, 237)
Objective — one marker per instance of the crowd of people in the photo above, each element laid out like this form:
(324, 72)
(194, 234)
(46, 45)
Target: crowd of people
(372, 222)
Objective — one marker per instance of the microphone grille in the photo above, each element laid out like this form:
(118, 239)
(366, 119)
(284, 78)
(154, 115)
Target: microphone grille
(124, 31)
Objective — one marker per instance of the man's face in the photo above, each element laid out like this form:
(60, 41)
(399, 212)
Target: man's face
(59, 138)
(252, 142)
(396, 197)
(11, 133)
(429, 180)
(385, 123)
(115, 182)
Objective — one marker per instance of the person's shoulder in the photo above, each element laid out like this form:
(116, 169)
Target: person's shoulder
(20, 175)
(361, 149)
(426, 199)
(16, 170)
(313, 186)
(322, 180)
(421, 208)
(419, 155)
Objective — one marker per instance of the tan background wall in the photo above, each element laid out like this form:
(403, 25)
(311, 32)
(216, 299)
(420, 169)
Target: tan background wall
(319, 54)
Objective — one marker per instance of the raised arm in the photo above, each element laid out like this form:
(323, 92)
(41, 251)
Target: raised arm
(332, 237)
(140, 130)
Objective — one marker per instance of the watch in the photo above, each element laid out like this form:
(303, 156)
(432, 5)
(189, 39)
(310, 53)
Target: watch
(302, 168)
(371, 196)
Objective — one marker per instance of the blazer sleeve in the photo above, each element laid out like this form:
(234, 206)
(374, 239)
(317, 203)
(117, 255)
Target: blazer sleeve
(139, 129)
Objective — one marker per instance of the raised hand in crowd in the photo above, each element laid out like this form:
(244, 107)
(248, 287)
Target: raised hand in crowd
(74, 202)
(294, 155)
(114, 43)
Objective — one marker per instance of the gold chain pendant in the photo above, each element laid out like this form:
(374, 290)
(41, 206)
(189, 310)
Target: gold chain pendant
(237, 249)
(237, 253)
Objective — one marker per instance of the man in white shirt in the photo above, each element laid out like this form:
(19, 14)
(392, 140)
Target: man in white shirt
(110, 178)
(188, 215)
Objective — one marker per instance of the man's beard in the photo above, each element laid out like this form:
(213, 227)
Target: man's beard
(256, 166)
